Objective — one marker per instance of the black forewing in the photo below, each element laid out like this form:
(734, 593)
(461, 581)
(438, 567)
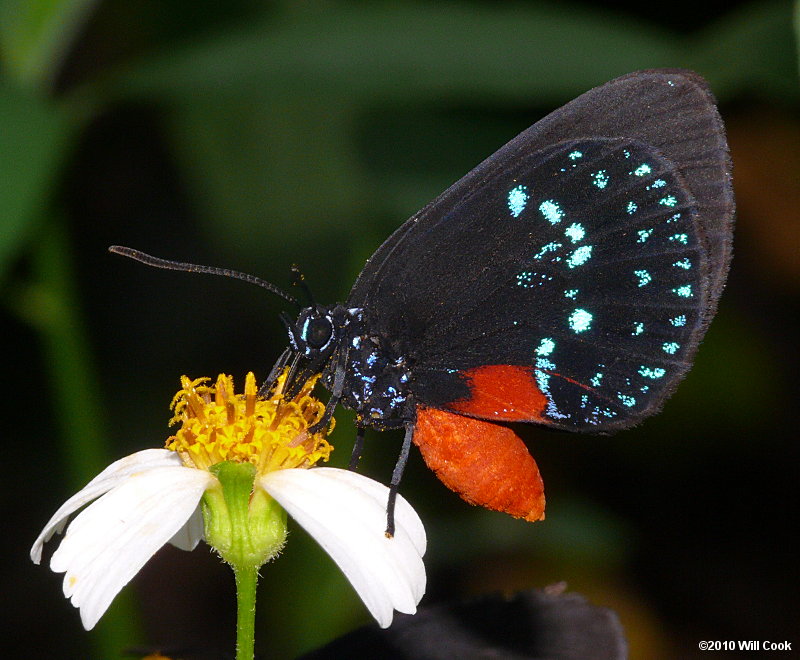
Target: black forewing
(597, 261)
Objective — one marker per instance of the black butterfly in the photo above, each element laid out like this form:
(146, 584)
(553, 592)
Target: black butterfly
(565, 281)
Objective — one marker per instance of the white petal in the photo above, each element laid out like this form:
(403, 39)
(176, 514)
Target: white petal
(345, 512)
(108, 542)
(114, 474)
(188, 536)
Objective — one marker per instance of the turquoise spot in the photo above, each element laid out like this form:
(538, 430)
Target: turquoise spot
(545, 347)
(644, 234)
(551, 211)
(684, 291)
(679, 238)
(575, 155)
(658, 183)
(579, 256)
(517, 200)
(656, 373)
(669, 200)
(571, 293)
(548, 247)
(671, 347)
(575, 232)
(638, 328)
(628, 401)
(683, 263)
(595, 380)
(678, 321)
(642, 170)
(631, 208)
(600, 179)
(674, 218)
(580, 320)
(644, 277)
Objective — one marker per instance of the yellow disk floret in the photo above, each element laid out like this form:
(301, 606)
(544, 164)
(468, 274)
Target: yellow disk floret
(272, 434)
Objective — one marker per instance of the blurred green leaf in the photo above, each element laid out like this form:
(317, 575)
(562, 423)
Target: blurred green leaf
(33, 136)
(750, 50)
(797, 27)
(35, 34)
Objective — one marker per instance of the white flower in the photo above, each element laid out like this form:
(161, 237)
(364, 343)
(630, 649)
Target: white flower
(152, 497)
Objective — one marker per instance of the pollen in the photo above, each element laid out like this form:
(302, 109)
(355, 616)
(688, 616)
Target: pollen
(272, 433)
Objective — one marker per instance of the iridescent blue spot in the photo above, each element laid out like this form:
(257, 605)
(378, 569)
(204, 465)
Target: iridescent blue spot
(644, 388)
(551, 211)
(517, 200)
(575, 155)
(571, 293)
(579, 256)
(631, 208)
(584, 400)
(628, 401)
(600, 179)
(674, 218)
(548, 247)
(658, 183)
(644, 234)
(678, 321)
(528, 279)
(595, 380)
(580, 320)
(683, 263)
(656, 373)
(545, 347)
(638, 328)
(684, 291)
(680, 238)
(626, 153)
(669, 200)
(642, 170)
(671, 347)
(575, 232)
(644, 277)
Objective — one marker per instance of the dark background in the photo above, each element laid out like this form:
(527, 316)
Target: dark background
(255, 135)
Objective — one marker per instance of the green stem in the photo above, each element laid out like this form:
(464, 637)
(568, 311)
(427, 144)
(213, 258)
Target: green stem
(246, 581)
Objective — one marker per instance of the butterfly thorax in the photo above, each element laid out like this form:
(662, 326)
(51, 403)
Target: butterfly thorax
(377, 379)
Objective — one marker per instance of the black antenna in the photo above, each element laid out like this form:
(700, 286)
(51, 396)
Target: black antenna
(196, 268)
(300, 280)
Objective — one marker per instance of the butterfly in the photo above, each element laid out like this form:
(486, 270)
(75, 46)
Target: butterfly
(566, 281)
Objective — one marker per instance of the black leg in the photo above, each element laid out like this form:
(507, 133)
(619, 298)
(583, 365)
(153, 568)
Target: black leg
(358, 448)
(336, 393)
(397, 474)
(266, 386)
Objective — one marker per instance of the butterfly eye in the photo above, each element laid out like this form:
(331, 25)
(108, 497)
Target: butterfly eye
(318, 332)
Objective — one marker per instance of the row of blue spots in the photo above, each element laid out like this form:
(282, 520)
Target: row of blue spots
(548, 247)
(543, 365)
(528, 279)
(517, 200)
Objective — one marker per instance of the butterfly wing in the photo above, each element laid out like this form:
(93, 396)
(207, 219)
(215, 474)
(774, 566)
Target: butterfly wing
(568, 279)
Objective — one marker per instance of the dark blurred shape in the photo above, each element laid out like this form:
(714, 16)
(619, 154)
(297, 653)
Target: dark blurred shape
(528, 625)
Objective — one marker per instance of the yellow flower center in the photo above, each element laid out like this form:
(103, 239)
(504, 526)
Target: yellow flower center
(272, 434)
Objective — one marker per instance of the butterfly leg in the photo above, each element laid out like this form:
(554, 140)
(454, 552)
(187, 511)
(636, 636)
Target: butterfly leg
(279, 365)
(397, 474)
(358, 448)
(336, 392)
